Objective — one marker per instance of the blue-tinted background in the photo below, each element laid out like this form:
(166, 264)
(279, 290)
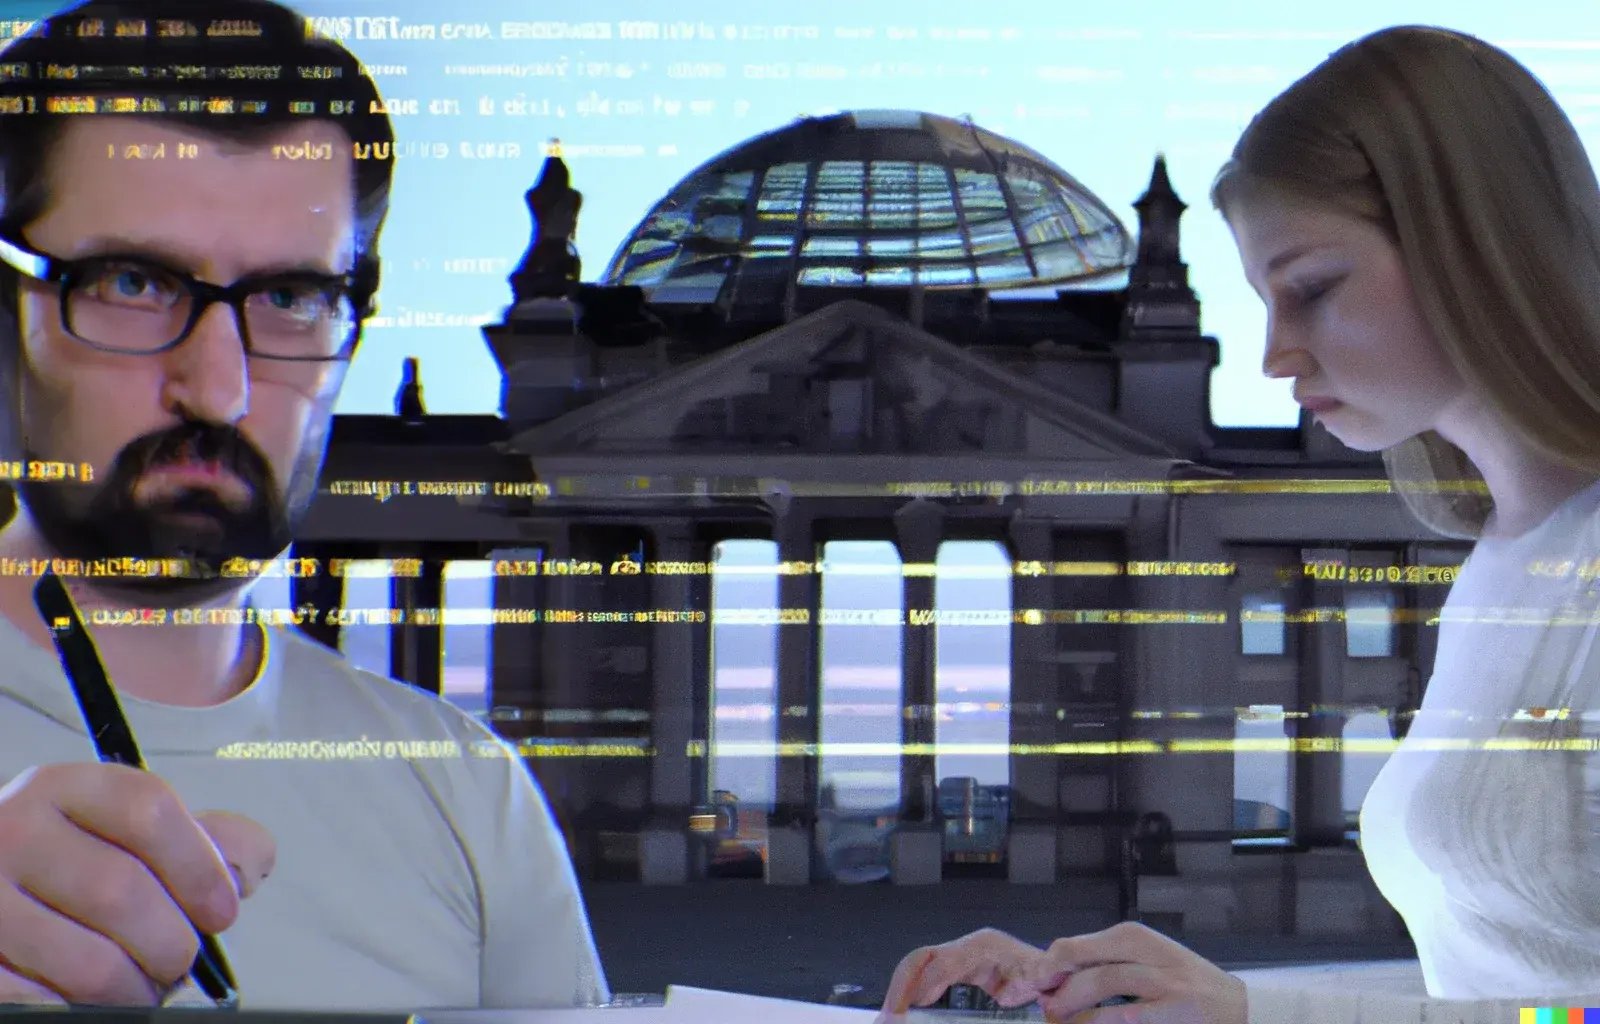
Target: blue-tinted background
(1098, 93)
(639, 99)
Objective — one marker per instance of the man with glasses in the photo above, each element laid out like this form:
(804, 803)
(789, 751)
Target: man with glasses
(178, 306)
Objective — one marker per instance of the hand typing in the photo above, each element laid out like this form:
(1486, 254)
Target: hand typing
(1171, 984)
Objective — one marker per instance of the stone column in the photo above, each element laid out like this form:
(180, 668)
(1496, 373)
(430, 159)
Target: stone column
(917, 850)
(563, 778)
(1032, 848)
(664, 847)
(1317, 792)
(514, 646)
(550, 684)
(323, 593)
(562, 670)
(793, 822)
(416, 645)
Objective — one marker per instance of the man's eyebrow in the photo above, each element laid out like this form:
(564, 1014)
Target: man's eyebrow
(113, 245)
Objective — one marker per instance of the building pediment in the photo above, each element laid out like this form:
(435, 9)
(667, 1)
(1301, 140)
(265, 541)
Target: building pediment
(847, 379)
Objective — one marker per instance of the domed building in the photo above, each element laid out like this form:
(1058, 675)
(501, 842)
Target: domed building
(884, 198)
(899, 328)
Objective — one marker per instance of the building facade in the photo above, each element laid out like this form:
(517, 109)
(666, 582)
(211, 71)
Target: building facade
(902, 331)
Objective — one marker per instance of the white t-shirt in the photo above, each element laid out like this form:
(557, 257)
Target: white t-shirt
(418, 864)
(1486, 846)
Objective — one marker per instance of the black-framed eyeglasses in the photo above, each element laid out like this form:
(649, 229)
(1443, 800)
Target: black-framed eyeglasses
(137, 305)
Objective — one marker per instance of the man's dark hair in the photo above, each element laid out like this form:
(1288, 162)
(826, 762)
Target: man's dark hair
(242, 70)
(239, 69)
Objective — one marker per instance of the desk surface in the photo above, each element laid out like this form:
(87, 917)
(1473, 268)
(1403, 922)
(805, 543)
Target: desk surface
(1394, 977)
(686, 1005)
(682, 1006)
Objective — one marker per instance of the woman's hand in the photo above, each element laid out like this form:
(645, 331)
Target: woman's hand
(1072, 977)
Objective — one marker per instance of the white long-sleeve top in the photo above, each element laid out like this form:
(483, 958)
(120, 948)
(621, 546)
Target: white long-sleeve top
(1483, 829)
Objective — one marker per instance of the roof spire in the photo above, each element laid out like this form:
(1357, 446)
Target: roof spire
(1160, 301)
(408, 399)
(1159, 211)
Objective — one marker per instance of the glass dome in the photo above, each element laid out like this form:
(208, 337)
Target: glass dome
(871, 198)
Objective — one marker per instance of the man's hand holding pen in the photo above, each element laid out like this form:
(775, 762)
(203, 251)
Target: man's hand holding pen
(102, 871)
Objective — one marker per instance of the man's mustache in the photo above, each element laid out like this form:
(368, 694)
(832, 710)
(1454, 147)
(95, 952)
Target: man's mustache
(200, 443)
(110, 519)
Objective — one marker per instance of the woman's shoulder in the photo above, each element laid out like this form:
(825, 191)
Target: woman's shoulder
(1561, 554)
(1573, 528)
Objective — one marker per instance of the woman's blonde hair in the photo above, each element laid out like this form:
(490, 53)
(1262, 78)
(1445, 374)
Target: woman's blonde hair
(1462, 156)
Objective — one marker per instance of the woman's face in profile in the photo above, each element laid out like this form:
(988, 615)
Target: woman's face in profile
(1343, 321)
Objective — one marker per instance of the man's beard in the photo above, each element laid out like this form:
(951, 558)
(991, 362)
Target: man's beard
(194, 526)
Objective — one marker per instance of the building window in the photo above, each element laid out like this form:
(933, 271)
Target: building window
(468, 617)
(744, 678)
(862, 634)
(863, 609)
(972, 697)
(1369, 623)
(1364, 747)
(364, 633)
(1260, 777)
(742, 767)
(1262, 628)
(972, 665)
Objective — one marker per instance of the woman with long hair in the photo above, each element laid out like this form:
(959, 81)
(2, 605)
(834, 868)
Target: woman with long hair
(1423, 225)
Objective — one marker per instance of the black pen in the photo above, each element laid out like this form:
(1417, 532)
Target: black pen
(114, 743)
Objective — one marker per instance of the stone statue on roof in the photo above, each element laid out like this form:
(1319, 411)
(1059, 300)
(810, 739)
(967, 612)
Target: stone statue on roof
(550, 268)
